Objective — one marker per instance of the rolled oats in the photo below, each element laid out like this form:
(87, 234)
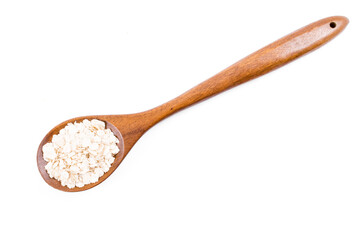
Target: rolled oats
(81, 153)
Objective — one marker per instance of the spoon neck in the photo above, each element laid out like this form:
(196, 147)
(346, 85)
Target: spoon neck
(181, 102)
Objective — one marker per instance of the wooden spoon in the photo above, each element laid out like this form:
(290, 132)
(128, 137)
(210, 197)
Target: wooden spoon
(129, 128)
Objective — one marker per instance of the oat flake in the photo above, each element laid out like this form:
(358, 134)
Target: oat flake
(80, 153)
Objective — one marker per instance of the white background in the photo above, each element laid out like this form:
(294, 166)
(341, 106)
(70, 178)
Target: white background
(275, 158)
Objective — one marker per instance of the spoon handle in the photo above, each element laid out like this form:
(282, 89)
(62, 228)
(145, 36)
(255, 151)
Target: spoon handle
(259, 63)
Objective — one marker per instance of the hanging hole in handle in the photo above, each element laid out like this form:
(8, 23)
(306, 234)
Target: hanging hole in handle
(333, 25)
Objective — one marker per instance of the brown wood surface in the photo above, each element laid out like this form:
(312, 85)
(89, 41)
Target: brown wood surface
(129, 128)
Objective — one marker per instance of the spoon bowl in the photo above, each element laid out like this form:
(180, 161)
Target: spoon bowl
(130, 127)
(55, 183)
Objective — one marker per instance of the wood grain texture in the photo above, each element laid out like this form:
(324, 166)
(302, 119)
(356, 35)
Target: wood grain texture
(130, 127)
